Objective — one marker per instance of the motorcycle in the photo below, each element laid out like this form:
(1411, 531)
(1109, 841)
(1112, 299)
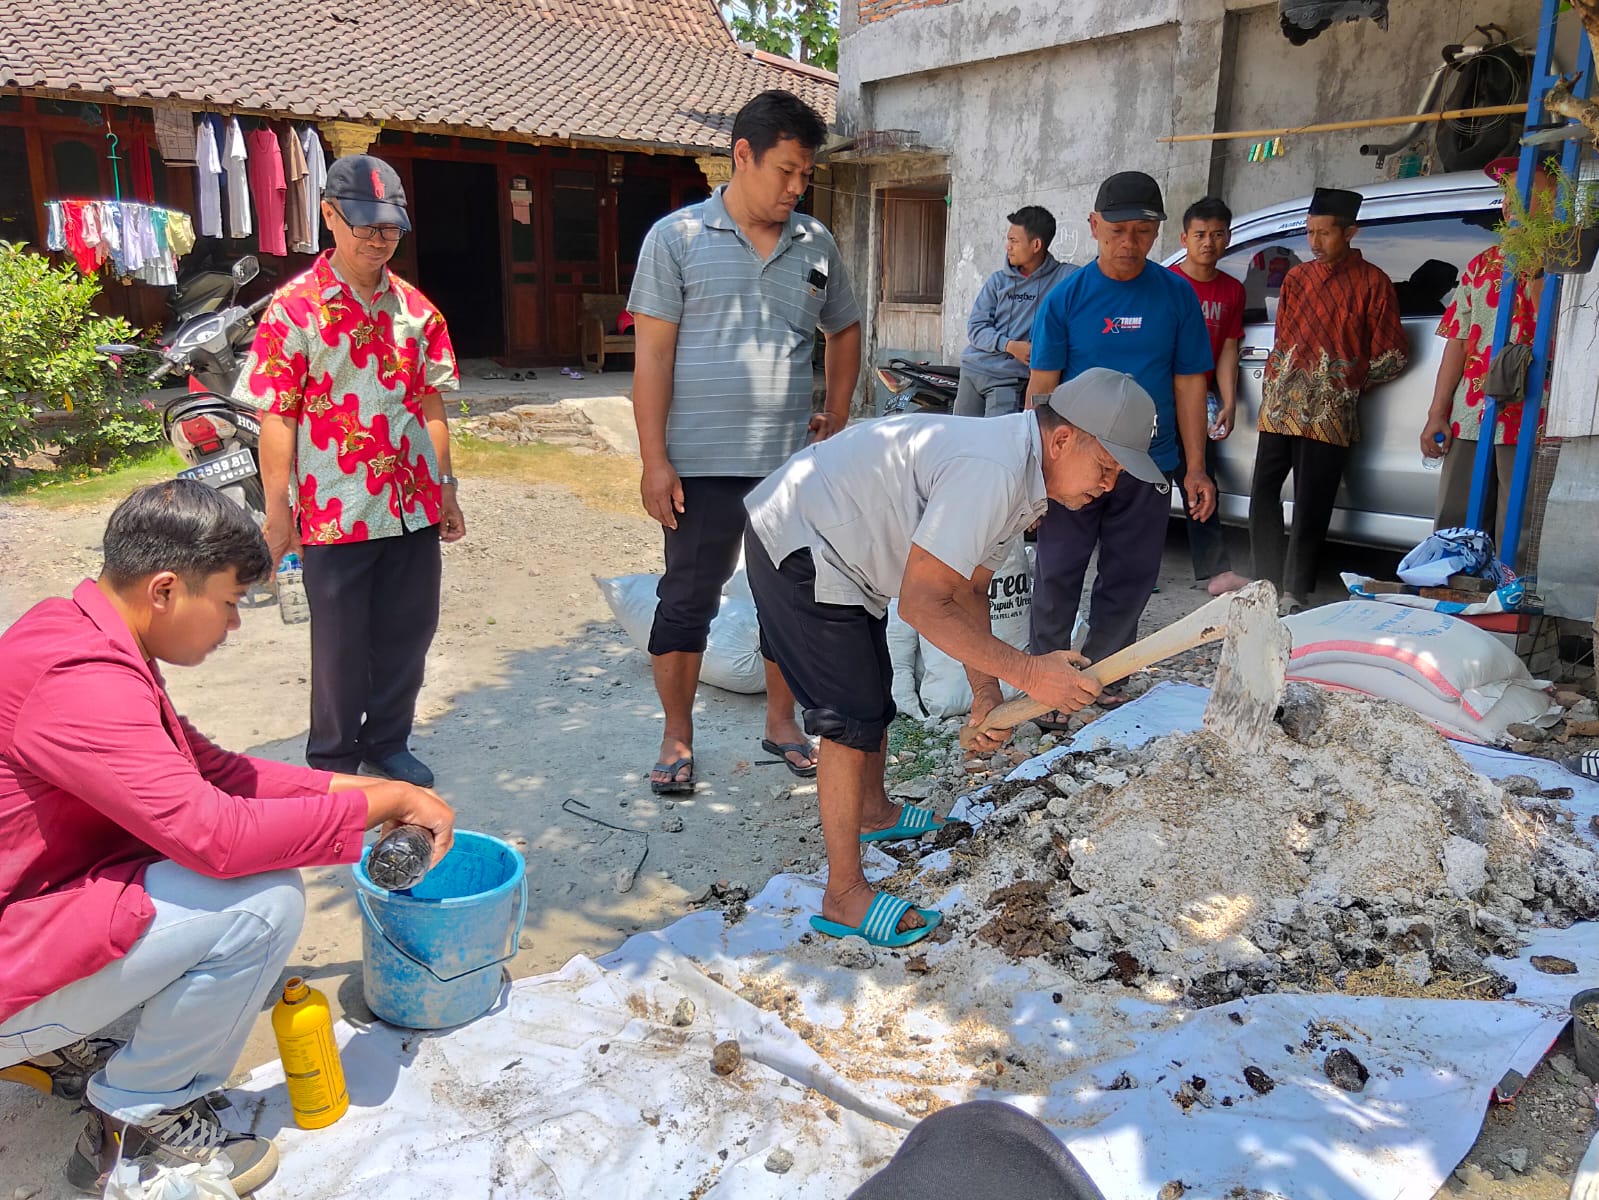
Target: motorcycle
(919, 387)
(216, 435)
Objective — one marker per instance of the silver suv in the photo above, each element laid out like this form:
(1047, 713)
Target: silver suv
(1422, 232)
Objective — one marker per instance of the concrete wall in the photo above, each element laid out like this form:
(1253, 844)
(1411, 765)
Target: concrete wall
(1349, 72)
(1034, 101)
(1044, 129)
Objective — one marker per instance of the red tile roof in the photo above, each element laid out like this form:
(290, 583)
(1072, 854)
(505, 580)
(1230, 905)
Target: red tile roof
(665, 72)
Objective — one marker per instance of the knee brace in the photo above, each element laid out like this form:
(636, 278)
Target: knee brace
(866, 736)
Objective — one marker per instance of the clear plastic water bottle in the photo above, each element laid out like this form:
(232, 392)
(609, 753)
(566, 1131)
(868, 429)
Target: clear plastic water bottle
(293, 606)
(1434, 464)
(1212, 414)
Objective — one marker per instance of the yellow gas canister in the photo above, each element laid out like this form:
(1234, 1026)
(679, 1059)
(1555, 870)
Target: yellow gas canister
(311, 1067)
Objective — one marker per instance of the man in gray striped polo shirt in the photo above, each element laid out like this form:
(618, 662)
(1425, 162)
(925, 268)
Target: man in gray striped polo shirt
(727, 299)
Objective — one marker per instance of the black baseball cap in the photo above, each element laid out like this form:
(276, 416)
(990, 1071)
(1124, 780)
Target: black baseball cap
(367, 191)
(1130, 196)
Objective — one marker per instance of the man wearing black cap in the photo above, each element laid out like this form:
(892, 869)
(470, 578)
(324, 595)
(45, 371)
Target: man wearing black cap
(923, 508)
(1125, 313)
(1338, 333)
(348, 367)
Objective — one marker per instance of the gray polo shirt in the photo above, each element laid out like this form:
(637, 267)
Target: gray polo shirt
(746, 331)
(961, 488)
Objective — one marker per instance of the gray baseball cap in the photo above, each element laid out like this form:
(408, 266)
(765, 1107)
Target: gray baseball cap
(1115, 409)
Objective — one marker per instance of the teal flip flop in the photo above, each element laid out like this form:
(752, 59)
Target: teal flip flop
(880, 927)
(914, 820)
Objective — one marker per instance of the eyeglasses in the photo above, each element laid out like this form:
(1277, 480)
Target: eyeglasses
(365, 233)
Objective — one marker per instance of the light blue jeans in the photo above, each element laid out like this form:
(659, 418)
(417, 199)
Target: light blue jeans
(201, 971)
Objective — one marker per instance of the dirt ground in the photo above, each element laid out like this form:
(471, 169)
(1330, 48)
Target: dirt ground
(535, 699)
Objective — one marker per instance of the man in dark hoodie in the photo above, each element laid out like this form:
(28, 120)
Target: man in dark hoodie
(995, 363)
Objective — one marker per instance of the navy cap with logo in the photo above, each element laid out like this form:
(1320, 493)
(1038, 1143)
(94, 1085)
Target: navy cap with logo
(367, 191)
(1130, 196)
(1113, 407)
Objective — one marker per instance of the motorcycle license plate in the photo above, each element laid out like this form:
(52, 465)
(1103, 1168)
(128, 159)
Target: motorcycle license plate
(223, 469)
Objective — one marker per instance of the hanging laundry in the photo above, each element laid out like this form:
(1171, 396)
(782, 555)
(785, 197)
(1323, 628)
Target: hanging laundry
(267, 187)
(89, 215)
(139, 241)
(235, 157)
(296, 214)
(316, 177)
(132, 243)
(208, 169)
(175, 136)
(161, 268)
(180, 233)
(73, 233)
(110, 212)
(141, 182)
(55, 237)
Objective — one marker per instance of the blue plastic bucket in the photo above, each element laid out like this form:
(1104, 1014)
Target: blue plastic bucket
(432, 956)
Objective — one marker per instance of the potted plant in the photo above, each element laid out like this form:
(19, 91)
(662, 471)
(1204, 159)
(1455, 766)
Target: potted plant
(1560, 238)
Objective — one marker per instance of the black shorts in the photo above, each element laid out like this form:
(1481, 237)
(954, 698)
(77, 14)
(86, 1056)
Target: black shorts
(701, 555)
(833, 656)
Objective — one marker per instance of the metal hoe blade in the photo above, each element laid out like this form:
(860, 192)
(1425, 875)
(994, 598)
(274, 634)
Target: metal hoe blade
(1249, 677)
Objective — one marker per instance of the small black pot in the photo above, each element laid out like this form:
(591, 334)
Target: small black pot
(1585, 1037)
(1587, 251)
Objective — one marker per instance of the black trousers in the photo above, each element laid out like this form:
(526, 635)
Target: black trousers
(701, 555)
(374, 610)
(1128, 525)
(834, 657)
(1290, 559)
(1206, 544)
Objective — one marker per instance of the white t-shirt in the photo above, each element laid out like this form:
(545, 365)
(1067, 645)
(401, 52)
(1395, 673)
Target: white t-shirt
(316, 177)
(234, 157)
(207, 168)
(961, 488)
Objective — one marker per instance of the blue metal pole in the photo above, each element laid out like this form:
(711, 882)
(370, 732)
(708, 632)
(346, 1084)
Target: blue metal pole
(1483, 467)
(1548, 313)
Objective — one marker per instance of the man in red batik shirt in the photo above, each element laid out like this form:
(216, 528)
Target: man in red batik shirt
(348, 368)
(1338, 333)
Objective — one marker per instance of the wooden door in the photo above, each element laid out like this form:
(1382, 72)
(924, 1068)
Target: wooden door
(521, 203)
(574, 228)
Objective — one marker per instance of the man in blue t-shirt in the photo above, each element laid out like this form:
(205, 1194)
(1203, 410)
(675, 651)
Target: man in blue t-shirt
(1125, 313)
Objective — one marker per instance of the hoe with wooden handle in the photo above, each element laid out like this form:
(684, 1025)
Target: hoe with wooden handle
(1249, 677)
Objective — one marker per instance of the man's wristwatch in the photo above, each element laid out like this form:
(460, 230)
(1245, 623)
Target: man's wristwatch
(450, 480)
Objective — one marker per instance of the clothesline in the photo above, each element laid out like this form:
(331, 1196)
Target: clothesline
(281, 173)
(138, 241)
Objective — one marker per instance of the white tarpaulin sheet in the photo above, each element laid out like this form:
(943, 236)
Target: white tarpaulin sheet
(578, 1083)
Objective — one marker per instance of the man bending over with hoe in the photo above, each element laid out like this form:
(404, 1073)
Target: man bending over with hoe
(924, 509)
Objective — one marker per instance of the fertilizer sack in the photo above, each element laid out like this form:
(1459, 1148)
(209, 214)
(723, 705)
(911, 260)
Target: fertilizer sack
(732, 659)
(1461, 678)
(905, 654)
(944, 689)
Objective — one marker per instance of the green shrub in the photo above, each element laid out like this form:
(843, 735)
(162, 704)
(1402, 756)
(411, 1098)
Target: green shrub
(48, 361)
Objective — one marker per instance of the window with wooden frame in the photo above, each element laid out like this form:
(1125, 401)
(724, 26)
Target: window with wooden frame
(914, 221)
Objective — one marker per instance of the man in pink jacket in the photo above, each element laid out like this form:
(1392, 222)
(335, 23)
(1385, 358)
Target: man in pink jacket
(139, 863)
